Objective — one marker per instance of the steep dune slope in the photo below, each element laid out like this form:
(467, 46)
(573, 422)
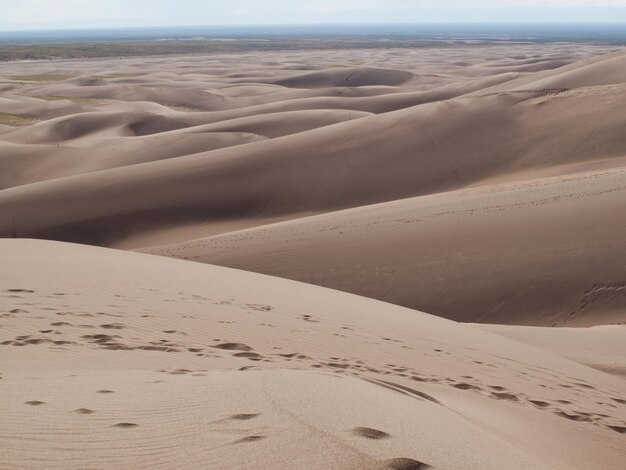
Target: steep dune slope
(96, 342)
(31, 163)
(105, 145)
(547, 252)
(347, 77)
(609, 69)
(435, 147)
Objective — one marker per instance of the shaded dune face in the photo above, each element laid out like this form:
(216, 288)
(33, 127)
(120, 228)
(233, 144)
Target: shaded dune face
(538, 253)
(224, 160)
(356, 77)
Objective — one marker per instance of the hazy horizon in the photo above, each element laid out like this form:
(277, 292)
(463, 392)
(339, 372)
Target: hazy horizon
(85, 14)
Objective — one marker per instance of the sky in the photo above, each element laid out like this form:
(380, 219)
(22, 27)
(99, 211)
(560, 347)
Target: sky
(34, 14)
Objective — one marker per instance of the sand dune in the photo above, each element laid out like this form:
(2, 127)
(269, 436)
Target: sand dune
(601, 347)
(76, 126)
(31, 163)
(602, 70)
(545, 252)
(104, 143)
(280, 123)
(482, 184)
(347, 77)
(420, 150)
(37, 109)
(96, 343)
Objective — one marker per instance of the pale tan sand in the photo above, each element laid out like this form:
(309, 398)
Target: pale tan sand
(482, 184)
(544, 252)
(601, 347)
(115, 360)
(300, 157)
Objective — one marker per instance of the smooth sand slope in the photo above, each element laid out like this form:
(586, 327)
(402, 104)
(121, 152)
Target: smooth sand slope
(429, 148)
(113, 359)
(545, 252)
(601, 347)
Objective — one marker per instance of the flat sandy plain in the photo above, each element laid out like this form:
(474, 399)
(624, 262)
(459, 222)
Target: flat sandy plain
(352, 259)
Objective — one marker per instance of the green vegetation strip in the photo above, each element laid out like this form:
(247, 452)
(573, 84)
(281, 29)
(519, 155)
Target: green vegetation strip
(13, 120)
(119, 75)
(74, 99)
(49, 77)
(76, 50)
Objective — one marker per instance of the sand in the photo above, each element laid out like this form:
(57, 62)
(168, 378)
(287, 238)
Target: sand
(121, 360)
(352, 259)
(546, 252)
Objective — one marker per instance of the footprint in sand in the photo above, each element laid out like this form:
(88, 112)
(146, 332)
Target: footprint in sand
(105, 391)
(233, 347)
(370, 433)
(113, 326)
(84, 411)
(244, 416)
(125, 425)
(581, 417)
(405, 464)
(504, 396)
(249, 439)
(309, 318)
(539, 404)
(466, 386)
(35, 403)
(249, 355)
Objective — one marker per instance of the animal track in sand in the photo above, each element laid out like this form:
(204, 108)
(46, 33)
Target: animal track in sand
(370, 433)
